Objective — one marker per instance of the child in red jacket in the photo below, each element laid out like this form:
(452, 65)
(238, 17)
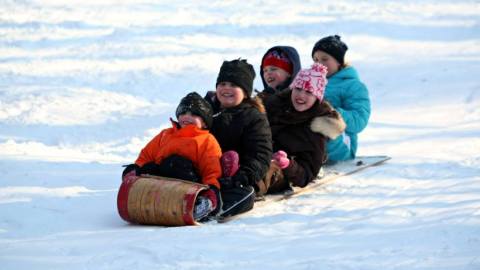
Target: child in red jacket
(186, 151)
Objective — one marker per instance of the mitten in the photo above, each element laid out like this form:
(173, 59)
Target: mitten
(280, 158)
(229, 161)
(129, 171)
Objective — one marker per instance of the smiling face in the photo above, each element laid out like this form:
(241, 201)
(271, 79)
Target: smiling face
(229, 94)
(327, 60)
(190, 119)
(274, 76)
(302, 100)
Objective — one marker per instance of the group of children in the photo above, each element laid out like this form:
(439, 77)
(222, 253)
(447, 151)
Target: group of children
(244, 146)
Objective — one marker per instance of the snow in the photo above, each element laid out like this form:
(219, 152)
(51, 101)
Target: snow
(84, 86)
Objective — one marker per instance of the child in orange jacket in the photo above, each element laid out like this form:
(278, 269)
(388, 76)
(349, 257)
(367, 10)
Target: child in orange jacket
(185, 151)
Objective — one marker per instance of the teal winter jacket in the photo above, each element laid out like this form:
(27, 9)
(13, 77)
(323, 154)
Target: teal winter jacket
(349, 96)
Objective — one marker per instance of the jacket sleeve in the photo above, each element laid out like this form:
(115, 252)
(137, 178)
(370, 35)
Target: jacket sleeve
(297, 174)
(148, 153)
(209, 162)
(355, 108)
(257, 149)
(304, 167)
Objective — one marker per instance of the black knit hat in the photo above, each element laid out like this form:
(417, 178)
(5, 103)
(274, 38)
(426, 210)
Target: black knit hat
(238, 72)
(333, 46)
(196, 105)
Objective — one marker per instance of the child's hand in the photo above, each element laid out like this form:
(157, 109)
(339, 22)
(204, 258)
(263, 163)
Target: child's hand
(280, 158)
(130, 171)
(229, 163)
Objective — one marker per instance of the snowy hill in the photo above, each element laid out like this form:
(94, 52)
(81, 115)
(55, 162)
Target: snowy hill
(84, 86)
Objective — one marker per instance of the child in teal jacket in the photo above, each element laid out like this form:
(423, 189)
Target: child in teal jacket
(346, 93)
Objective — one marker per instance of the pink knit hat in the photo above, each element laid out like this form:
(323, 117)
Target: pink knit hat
(312, 80)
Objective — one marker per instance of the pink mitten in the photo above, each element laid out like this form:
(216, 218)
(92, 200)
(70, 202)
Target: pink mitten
(130, 175)
(229, 162)
(280, 157)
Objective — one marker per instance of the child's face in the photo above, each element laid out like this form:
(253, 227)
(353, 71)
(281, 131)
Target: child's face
(274, 76)
(190, 119)
(229, 94)
(302, 100)
(327, 60)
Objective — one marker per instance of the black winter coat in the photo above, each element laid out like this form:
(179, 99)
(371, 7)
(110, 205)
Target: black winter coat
(291, 132)
(245, 130)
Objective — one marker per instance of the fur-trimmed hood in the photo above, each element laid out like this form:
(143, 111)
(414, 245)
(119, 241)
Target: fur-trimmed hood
(331, 125)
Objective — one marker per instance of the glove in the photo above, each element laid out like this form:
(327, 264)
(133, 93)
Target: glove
(280, 158)
(129, 171)
(229, 161)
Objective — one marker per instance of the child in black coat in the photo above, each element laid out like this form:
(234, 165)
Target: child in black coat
(240, 124)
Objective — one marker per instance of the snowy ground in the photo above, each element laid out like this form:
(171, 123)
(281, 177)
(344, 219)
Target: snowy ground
(83, 86)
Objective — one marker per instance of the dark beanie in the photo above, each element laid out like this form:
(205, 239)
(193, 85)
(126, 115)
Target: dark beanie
(333, 46)
(238, 72)
(196, 105)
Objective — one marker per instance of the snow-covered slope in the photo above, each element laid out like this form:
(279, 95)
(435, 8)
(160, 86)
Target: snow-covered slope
(83, 87)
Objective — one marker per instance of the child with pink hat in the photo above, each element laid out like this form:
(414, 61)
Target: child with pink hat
(300, 152)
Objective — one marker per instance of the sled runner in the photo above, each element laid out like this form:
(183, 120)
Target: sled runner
(330, 173)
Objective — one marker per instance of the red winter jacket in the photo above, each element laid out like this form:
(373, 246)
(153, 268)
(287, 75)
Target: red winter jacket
(190, 142)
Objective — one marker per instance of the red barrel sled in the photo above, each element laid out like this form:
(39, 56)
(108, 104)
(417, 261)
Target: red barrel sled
(158, 200)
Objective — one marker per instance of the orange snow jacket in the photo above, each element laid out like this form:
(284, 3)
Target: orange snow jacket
(190, 142)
